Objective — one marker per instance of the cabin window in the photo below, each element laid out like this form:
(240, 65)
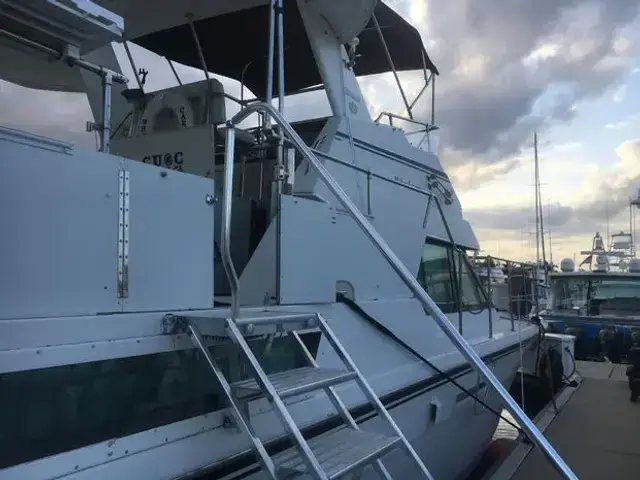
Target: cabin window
(447, 282)
(58, 409)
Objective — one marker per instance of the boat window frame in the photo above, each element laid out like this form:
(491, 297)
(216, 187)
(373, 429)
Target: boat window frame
(452, 256)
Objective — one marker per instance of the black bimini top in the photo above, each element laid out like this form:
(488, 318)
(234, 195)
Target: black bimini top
(231, 41)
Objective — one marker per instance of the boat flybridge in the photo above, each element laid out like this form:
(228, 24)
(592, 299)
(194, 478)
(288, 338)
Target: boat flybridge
(206, 296)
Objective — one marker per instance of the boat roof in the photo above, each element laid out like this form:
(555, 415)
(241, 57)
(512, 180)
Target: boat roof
(232, 40)
(579, 274)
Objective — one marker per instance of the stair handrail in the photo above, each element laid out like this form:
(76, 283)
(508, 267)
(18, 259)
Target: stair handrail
(396, 264)
(225, 234)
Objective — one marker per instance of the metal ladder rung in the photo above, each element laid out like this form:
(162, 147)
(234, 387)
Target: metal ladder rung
(327, 456)
(339, 452)
(294, 382)
(272, 318)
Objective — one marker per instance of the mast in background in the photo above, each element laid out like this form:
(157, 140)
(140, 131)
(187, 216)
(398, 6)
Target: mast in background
(606, 205)
(535, 194)
(538, 204)
(549, 232)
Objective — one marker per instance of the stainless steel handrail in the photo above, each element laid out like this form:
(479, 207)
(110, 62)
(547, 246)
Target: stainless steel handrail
(225, 241)
(403, 272)
(428, 126)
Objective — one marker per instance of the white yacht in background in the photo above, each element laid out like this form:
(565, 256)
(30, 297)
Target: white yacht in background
(165, 317)
(600, 304)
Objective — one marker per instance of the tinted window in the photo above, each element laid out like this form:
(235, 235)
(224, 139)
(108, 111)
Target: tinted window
(446, 281)
(54, 410)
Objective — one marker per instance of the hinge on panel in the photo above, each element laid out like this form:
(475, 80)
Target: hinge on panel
(123, 234)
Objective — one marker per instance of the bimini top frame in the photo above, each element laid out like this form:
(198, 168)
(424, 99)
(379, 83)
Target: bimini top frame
(247, 59)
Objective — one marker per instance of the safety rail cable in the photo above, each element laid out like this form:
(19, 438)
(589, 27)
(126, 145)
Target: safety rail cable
(401, 270)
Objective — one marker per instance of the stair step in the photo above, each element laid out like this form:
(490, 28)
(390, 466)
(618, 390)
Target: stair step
(339, 452)
(263, 322)
(294, 382)
(275, 318)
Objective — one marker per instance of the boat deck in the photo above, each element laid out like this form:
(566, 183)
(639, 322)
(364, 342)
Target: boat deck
(595, 431)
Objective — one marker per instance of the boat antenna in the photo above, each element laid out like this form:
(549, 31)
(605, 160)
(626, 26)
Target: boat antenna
(606, 206)
(136, 73)
(632, 249)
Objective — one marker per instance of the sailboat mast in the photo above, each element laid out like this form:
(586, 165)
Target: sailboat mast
(544, 256)
(535, 185)
(549, 233)
(538, 204)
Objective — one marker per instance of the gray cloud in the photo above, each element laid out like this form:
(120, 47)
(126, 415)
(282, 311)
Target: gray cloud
(472, 174)
(608, 199)
(492, 111)
(487, 114)
(52, 114)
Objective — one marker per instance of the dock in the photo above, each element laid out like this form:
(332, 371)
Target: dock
(595, 430)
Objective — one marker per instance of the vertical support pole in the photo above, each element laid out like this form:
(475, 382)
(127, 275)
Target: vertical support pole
(280, 58)
(510, 296)
(270, 55)
(490, 295)
(225, 234)
(105, 131)
(277, 15)
(277, 11)
(369, 193)
(291, 169)
(630, 228)
(203, 64)
(520, 294)
(534, 286)
(393, 67)
(459, 296)
(175, 73)
(433, 100)
(242, 102)
(133, 65)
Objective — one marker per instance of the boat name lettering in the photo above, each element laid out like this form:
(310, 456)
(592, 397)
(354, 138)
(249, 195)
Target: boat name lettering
(402, 180)
(174, 161)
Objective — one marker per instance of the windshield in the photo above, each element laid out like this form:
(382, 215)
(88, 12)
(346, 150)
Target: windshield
(436, 275)
(597, 295)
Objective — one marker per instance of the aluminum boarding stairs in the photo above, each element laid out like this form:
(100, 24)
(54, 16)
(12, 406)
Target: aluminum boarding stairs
(334, 454)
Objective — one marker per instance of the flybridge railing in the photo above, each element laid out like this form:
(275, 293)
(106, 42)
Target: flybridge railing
(401, 270)
(425, 127)
(523, 294)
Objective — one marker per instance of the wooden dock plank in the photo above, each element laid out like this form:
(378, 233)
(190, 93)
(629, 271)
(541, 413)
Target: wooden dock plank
(596, 432)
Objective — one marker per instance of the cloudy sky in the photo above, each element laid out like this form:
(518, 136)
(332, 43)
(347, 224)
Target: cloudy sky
(568, 69)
